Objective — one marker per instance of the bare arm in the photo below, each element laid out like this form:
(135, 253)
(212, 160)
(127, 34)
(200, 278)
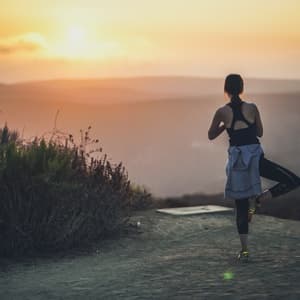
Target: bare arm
(258, 122)
(215, 128)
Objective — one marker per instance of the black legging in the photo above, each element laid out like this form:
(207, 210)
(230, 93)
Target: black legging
(287, 181)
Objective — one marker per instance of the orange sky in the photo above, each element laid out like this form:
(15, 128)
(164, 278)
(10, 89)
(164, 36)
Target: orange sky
(42, 39)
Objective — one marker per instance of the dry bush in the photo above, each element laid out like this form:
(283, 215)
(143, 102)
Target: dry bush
(57, 194)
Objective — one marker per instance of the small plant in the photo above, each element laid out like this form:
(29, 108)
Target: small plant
(140, 198)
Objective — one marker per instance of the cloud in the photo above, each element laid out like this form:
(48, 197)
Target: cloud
(28, 42)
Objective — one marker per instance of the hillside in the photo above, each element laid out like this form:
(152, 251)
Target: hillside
(132, 89)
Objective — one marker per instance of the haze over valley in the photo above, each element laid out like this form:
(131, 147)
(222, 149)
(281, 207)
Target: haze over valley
(157, 126)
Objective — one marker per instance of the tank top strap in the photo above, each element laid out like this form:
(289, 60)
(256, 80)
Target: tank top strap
(237, 114)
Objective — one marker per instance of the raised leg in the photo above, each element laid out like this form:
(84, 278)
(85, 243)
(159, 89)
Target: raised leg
(287, 180)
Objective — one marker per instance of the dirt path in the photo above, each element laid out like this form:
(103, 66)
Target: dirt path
(171, 258)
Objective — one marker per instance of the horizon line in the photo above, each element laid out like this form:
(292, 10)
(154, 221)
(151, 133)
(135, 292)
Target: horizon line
(141, 77)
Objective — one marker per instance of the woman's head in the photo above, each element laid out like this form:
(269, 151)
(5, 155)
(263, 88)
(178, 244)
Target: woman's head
(234, 85)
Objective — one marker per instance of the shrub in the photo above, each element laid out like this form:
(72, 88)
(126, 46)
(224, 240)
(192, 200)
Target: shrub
(56, 195)
(140, 198)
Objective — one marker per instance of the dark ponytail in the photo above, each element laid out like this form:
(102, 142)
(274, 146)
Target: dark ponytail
(235, 99)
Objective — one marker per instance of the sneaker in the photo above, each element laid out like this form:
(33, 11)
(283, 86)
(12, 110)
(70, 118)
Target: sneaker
(243, 256)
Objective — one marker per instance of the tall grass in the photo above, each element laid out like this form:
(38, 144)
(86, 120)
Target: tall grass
(56, 194)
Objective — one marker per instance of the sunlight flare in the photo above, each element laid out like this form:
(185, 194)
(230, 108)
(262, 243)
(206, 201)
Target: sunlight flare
(78, 42)
(76, 35)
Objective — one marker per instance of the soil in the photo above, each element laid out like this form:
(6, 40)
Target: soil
(170, 257)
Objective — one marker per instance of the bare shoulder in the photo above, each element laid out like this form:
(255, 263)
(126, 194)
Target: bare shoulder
(223, 109)
(222, 113)
(251, 106)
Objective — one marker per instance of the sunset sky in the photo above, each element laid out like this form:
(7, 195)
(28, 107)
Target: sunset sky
(94, 38)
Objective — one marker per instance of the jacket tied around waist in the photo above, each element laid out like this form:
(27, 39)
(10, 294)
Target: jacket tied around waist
(242, 170)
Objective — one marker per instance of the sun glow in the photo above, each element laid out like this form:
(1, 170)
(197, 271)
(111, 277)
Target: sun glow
(150, 37)
(76, 35)
(77, 42)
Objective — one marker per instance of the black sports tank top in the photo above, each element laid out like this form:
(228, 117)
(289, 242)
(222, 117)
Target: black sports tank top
(243, 136)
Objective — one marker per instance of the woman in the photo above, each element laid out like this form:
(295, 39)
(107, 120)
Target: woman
(246, 161)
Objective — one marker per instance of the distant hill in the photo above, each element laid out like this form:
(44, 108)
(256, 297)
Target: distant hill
(134, 89)
(157, 125)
